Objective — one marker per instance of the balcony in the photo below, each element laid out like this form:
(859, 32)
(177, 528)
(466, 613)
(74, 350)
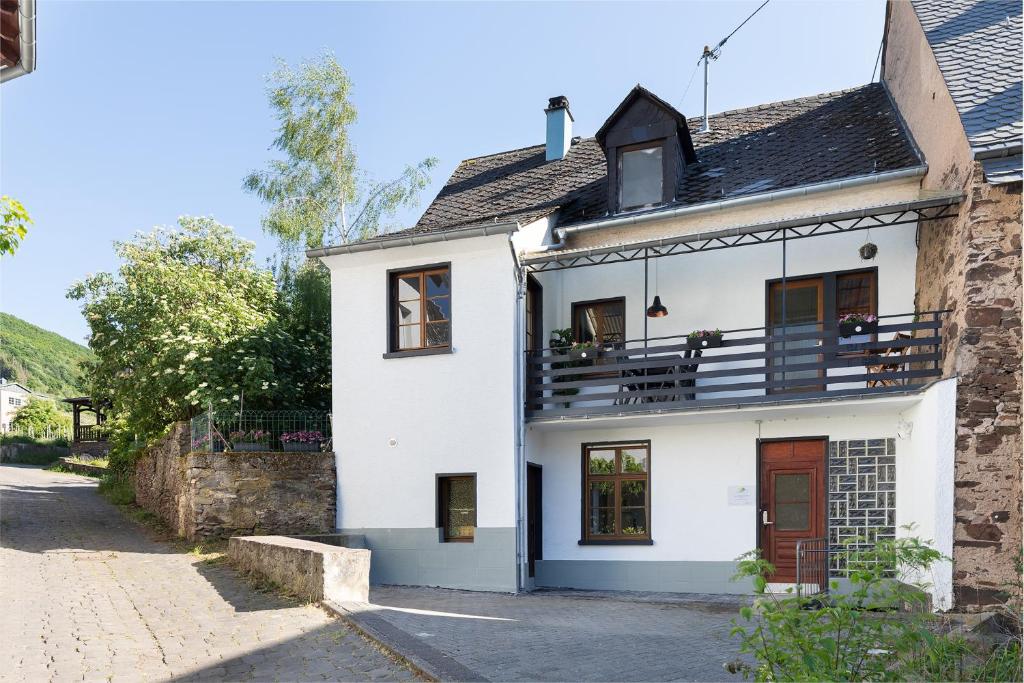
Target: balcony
(754, 365)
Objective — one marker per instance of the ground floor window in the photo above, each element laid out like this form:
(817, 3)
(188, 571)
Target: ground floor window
(456, 506)
(616, 492)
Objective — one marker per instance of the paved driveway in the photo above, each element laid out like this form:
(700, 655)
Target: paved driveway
(85, 595)
(566, 635)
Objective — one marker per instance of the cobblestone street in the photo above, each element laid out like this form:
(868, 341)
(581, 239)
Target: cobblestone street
(87, 596)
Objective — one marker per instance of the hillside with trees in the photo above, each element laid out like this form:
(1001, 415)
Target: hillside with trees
(42, 360)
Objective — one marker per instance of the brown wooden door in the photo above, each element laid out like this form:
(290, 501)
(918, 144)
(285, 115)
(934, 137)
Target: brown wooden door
(805, 311)
(792, 501)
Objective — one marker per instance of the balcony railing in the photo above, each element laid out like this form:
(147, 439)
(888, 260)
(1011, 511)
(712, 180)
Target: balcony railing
(753, 365)
(85, 433)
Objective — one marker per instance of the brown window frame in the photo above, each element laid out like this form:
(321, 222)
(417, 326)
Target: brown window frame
(598, 344)
(625, 149)
(443, 482)
(393, 277)
(587, 538)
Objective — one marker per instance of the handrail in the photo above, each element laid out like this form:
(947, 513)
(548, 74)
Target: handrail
(827, 324)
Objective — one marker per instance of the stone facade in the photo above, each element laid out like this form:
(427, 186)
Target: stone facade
(90, 449)
(216, 495)
(970, 264)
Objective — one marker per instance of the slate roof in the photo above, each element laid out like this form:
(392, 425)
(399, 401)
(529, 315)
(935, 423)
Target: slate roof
(748, 151)
(977, 44)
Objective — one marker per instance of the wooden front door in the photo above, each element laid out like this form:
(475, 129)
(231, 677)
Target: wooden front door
(534, 523)
(792, 500)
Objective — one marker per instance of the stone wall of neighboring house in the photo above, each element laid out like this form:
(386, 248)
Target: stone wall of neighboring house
(216, 495)
(970, 264)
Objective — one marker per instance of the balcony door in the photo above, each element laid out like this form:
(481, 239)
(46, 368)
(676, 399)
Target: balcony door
(804, 312)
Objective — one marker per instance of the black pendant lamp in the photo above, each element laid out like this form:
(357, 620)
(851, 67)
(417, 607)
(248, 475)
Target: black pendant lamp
(656, 309)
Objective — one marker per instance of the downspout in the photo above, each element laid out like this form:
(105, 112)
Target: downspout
(519, 410)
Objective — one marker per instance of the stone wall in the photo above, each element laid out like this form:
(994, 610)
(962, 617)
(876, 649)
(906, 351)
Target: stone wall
(216, 495)
(972, 265)
(90, 449)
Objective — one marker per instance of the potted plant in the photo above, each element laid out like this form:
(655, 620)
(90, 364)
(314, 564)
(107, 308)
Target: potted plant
(308, 441)
(250, 440)
(704, 339)
(857, 323)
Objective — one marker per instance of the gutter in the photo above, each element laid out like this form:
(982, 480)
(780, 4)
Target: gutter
(727, 204)
(27, 38)
(388, 242)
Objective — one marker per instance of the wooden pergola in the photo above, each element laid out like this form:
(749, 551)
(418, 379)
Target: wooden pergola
(83, 433)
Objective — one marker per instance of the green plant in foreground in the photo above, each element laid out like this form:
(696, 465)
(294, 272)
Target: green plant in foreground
(876, 630)
(117, 490)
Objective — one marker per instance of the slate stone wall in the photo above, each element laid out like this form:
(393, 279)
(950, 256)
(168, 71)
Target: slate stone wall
(217, 495)
(972, 265)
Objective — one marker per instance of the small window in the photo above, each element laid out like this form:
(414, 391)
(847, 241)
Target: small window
(456, 505)
(421, 309)
(599, 322)
(616, 492)
(640, 176)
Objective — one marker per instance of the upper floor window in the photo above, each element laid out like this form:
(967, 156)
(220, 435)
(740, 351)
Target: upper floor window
(421, 310)
(599, 322)
(640, 176)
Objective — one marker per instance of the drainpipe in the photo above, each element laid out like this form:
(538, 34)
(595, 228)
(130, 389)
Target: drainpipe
(519, 410)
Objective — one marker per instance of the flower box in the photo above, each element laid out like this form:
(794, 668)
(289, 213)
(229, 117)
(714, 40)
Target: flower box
(250, 446)
(851, 325)
(583, 353)
(707, 341)
(301, 446)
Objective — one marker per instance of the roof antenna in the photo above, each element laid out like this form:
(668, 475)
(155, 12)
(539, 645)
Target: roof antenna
(713, 53)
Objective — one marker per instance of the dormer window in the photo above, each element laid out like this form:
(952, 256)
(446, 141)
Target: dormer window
(648, 147)
(641, 176)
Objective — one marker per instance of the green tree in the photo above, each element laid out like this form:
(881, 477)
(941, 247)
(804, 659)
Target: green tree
(316, 193)
(39, 414)
(14, 226)
(189, 319)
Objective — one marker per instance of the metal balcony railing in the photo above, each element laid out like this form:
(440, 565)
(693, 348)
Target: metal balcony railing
(751, 365)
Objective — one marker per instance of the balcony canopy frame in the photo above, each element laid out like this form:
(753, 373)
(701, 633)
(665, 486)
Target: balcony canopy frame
(882, 216)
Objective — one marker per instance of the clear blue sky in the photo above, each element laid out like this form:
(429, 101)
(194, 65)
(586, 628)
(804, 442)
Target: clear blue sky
(139, 112)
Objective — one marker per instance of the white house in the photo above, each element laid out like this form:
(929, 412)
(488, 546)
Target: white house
(518, 403)
(12, 397)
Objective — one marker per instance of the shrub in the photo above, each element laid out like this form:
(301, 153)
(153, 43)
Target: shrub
(117, 489)
(877, 630)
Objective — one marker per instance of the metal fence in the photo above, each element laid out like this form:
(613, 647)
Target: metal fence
(812, 566)
(47, 434)
(262, 430)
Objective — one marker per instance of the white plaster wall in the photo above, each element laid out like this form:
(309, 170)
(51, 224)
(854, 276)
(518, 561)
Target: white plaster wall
(693, 464)
(726, 288)
(692, 467)
(924, 482)
(449, 413)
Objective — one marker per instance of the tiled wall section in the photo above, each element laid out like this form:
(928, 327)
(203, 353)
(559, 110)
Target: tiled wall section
(861, 492)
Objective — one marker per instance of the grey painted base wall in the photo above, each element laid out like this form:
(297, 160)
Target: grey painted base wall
(624, 575)
(418, 557)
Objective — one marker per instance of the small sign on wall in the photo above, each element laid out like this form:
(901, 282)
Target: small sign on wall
(741, 495)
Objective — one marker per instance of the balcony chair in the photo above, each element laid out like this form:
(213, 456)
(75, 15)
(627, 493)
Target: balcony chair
(893, 363)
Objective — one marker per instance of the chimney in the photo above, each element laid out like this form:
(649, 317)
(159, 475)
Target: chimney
(559, 127)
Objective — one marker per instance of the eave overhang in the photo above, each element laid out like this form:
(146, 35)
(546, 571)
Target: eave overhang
(930, 207)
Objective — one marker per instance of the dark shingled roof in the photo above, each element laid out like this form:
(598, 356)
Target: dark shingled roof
(978, 47)
(748, 151)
